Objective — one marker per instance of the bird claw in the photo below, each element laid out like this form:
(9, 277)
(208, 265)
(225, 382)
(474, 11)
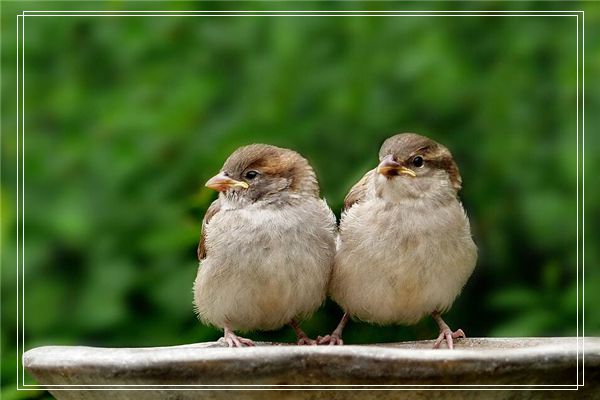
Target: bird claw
(448, 335)
(306, 341)
(233, 340)
(303, 340)
(331, 340)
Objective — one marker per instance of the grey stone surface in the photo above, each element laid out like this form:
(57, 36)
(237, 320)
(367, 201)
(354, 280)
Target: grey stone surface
(475, 361)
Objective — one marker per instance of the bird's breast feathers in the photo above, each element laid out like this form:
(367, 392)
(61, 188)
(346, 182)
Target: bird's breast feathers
(264, 266)
(395, 264)
(263, 233)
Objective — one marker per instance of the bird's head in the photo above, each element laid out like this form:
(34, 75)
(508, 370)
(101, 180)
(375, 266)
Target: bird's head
(263, 172)
(412, 165)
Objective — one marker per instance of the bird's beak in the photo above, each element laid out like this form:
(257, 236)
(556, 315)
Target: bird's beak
(221, 183)
(388, 167)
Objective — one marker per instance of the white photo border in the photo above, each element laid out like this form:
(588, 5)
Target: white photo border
(275, 13)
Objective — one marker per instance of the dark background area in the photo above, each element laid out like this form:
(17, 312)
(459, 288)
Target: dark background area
(127, 117)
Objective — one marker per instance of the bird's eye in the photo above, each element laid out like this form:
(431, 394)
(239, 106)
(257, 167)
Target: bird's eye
(417, 161)
(251, 174)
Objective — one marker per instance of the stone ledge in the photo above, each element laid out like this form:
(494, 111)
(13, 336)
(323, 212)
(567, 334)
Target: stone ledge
(475, 361)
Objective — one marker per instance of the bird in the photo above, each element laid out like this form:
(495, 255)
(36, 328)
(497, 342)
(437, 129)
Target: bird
(266, 247)
(404, 248)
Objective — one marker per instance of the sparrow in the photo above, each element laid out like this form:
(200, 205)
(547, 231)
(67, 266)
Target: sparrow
(404, 247)
(267, 245)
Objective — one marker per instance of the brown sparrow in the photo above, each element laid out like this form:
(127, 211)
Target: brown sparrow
(404, 249)
(267, 245)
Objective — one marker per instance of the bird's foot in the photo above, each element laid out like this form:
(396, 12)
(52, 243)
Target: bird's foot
(331, 340)
(303, 339)
(336, 336)
(449, 336)
(233, 340)
(306, 341)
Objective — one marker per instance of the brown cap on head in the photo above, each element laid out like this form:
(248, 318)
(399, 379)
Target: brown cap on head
(405, 147)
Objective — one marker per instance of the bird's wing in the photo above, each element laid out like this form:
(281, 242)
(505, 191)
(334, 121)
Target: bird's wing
(358, 191)
(212, 210)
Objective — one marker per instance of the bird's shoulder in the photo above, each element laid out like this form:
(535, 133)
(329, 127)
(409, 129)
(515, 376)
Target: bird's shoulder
(212, 210)
(359, 191)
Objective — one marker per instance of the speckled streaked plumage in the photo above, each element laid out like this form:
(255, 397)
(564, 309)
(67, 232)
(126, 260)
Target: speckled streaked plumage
(405, 248)
(266, 250)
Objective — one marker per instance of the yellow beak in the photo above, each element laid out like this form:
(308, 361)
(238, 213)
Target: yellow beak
(221, 183)
(388, 167)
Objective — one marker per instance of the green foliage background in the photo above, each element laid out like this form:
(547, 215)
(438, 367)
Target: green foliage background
(126, 118)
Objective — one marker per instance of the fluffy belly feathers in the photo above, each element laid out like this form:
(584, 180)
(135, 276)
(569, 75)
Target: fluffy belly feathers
(409, 268)
(278, 268)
